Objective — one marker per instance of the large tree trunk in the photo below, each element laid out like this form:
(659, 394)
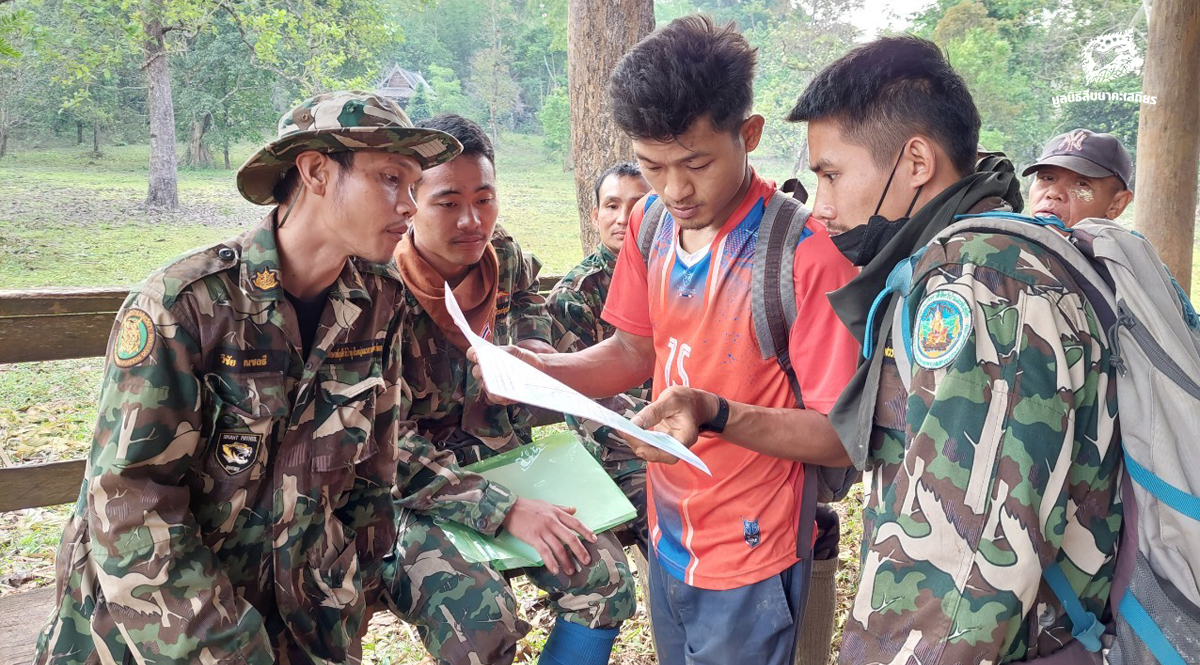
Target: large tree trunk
(1169, 135)
(164, 188)
(78, 132)
(198, 154)
(598, 34)
(3, 142)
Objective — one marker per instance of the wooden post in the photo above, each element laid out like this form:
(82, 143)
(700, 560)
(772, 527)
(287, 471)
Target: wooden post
(598, 34)
(1169, 135)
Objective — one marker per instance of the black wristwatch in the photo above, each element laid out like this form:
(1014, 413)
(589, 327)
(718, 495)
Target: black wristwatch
(717, 424)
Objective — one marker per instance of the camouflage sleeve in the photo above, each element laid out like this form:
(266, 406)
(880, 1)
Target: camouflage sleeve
(161, 582)
(1008, 447)
(575, 324)
(431, 481)
(528, 307)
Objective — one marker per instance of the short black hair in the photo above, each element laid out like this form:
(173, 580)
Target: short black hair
(621, 170)
(884, 92)
(474, 140)
(687, 70)
(290, 182)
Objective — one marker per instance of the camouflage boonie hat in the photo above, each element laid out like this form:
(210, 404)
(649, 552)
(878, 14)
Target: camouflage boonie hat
(337, 122)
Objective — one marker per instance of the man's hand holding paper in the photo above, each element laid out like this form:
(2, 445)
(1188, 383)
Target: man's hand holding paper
(509, 377)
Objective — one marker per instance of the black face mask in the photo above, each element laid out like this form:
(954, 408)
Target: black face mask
(861, 243)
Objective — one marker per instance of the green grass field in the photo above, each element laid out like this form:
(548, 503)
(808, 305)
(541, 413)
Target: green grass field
(68, 219)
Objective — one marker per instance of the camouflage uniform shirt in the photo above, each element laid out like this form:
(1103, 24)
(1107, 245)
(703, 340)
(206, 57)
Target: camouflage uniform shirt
(999, 459)
(576, 303)
(237, 503)
(449, 420)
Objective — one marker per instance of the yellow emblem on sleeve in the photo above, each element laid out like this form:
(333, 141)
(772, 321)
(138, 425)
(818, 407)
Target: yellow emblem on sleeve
(135, 339)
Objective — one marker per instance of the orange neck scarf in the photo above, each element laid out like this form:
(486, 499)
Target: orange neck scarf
(476, 293)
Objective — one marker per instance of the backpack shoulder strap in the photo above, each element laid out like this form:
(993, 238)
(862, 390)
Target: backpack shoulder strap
(652, 220)
(772, 293)
(1048, 234)
(794, 187)
(1091, 278)
(1086, 627)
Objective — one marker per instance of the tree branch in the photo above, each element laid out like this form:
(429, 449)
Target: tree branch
(254, 59)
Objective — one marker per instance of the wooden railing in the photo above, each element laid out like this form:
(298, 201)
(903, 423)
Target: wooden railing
(57, 324)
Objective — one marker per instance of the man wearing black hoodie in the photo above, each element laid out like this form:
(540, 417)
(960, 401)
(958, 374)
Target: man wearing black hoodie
(983, 407)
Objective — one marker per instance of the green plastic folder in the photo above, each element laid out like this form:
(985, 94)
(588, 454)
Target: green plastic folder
(557, 469)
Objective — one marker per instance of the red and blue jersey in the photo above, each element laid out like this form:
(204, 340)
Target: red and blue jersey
(739, 526)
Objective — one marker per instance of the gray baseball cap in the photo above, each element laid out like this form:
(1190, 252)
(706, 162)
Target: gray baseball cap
(1087, 153)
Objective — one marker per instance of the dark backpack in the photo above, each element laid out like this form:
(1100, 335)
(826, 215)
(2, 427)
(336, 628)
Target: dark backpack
(773, 302)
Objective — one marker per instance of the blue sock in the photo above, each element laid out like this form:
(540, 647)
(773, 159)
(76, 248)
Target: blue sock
(573, 644)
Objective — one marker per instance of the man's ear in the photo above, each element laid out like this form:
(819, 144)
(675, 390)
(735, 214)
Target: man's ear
(596, 216)
(1120, 201)
(314, 170)
(923, 159)
(751, 131)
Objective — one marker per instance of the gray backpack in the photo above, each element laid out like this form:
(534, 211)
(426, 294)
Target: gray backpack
(1154, 334)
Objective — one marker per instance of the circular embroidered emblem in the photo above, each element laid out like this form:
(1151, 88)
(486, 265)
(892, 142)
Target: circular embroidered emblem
(135, 340)
(942, 328)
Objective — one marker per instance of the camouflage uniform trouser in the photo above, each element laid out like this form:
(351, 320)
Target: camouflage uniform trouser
(466, 613)
(627, 470)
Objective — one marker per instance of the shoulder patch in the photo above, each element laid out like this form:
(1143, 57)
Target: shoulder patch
(135, 339)
(942, 327)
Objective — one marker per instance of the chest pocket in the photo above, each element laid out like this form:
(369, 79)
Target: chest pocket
(343, 427)
(242, 412)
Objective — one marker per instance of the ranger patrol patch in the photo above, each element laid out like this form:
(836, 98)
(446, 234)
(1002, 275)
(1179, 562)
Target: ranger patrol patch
(135, 339)
(942, 328)
(236, 450)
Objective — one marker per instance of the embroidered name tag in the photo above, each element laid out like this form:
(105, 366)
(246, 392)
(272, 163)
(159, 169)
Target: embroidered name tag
(249, 360)
(344, 353)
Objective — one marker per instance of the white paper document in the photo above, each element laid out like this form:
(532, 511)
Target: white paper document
(513, 379)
